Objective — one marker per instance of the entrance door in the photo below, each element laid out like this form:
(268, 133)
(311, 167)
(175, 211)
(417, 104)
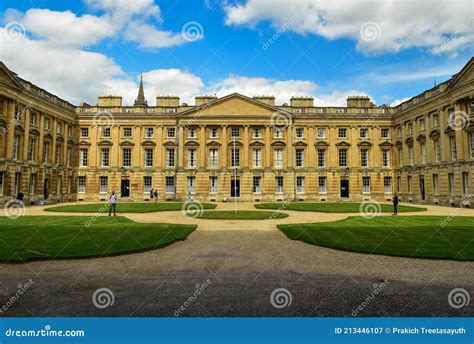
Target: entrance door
(422, 188)
(46, 189)
(344, 188)
(235, 188)
(125, 188)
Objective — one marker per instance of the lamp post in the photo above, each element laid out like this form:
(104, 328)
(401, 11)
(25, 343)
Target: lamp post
(235, 178)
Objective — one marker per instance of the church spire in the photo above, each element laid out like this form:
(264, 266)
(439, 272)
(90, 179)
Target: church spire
(141, 101)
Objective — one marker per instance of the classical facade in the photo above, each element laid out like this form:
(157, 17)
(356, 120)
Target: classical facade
(236, 146)
(38, 142)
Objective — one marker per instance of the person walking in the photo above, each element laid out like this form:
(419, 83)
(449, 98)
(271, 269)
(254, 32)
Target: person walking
(395, 204)
(151, 193)
(155, 193)
(112, 203)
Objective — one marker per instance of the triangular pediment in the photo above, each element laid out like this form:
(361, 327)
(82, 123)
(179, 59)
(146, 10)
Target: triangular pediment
(234, 104)
(7, 76)
(464, 76)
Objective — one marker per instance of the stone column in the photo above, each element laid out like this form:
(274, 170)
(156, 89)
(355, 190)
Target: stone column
(268, 147)
(11, 128)
(26, 136)
(245, 149)
(224, 148)
(461, 135)
(181, 158)
(202, 146)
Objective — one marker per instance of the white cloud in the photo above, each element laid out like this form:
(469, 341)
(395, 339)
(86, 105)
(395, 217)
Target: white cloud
(442, 26)
(282, 90)
(135, 21)
(65, 28)
(387, 76)
(138, 19)
(143, 8)
(337, 98)
(399, 101)
(70, 73)
(150, 38)
(171, 82)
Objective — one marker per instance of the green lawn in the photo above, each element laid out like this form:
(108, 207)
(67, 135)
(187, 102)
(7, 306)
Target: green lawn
(409, 236)
(333, 207)
(241, 215)
(50, 237)
(123, 207)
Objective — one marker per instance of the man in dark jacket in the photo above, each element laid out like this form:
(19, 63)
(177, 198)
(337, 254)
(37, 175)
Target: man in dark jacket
(395, 204)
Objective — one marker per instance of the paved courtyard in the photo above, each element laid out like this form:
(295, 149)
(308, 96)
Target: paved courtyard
(231, 268)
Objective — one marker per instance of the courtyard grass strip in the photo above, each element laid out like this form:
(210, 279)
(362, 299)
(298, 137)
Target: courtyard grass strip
(240, 215)
(125, 207)
(342, 207)
(55, 237)
(408, 236)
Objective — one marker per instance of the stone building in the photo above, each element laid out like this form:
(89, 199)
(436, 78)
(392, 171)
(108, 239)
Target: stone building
(38, 142)
(237, 146)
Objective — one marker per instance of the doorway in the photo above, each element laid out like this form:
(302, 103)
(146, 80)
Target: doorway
(125, 188)
(345, 188)
(46, 189)
(422, 188)
(235, 188)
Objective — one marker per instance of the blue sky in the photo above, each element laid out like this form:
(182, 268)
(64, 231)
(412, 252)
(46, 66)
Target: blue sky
(327, 58)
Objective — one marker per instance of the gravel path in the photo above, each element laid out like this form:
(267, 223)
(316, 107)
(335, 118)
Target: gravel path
(231, 268)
